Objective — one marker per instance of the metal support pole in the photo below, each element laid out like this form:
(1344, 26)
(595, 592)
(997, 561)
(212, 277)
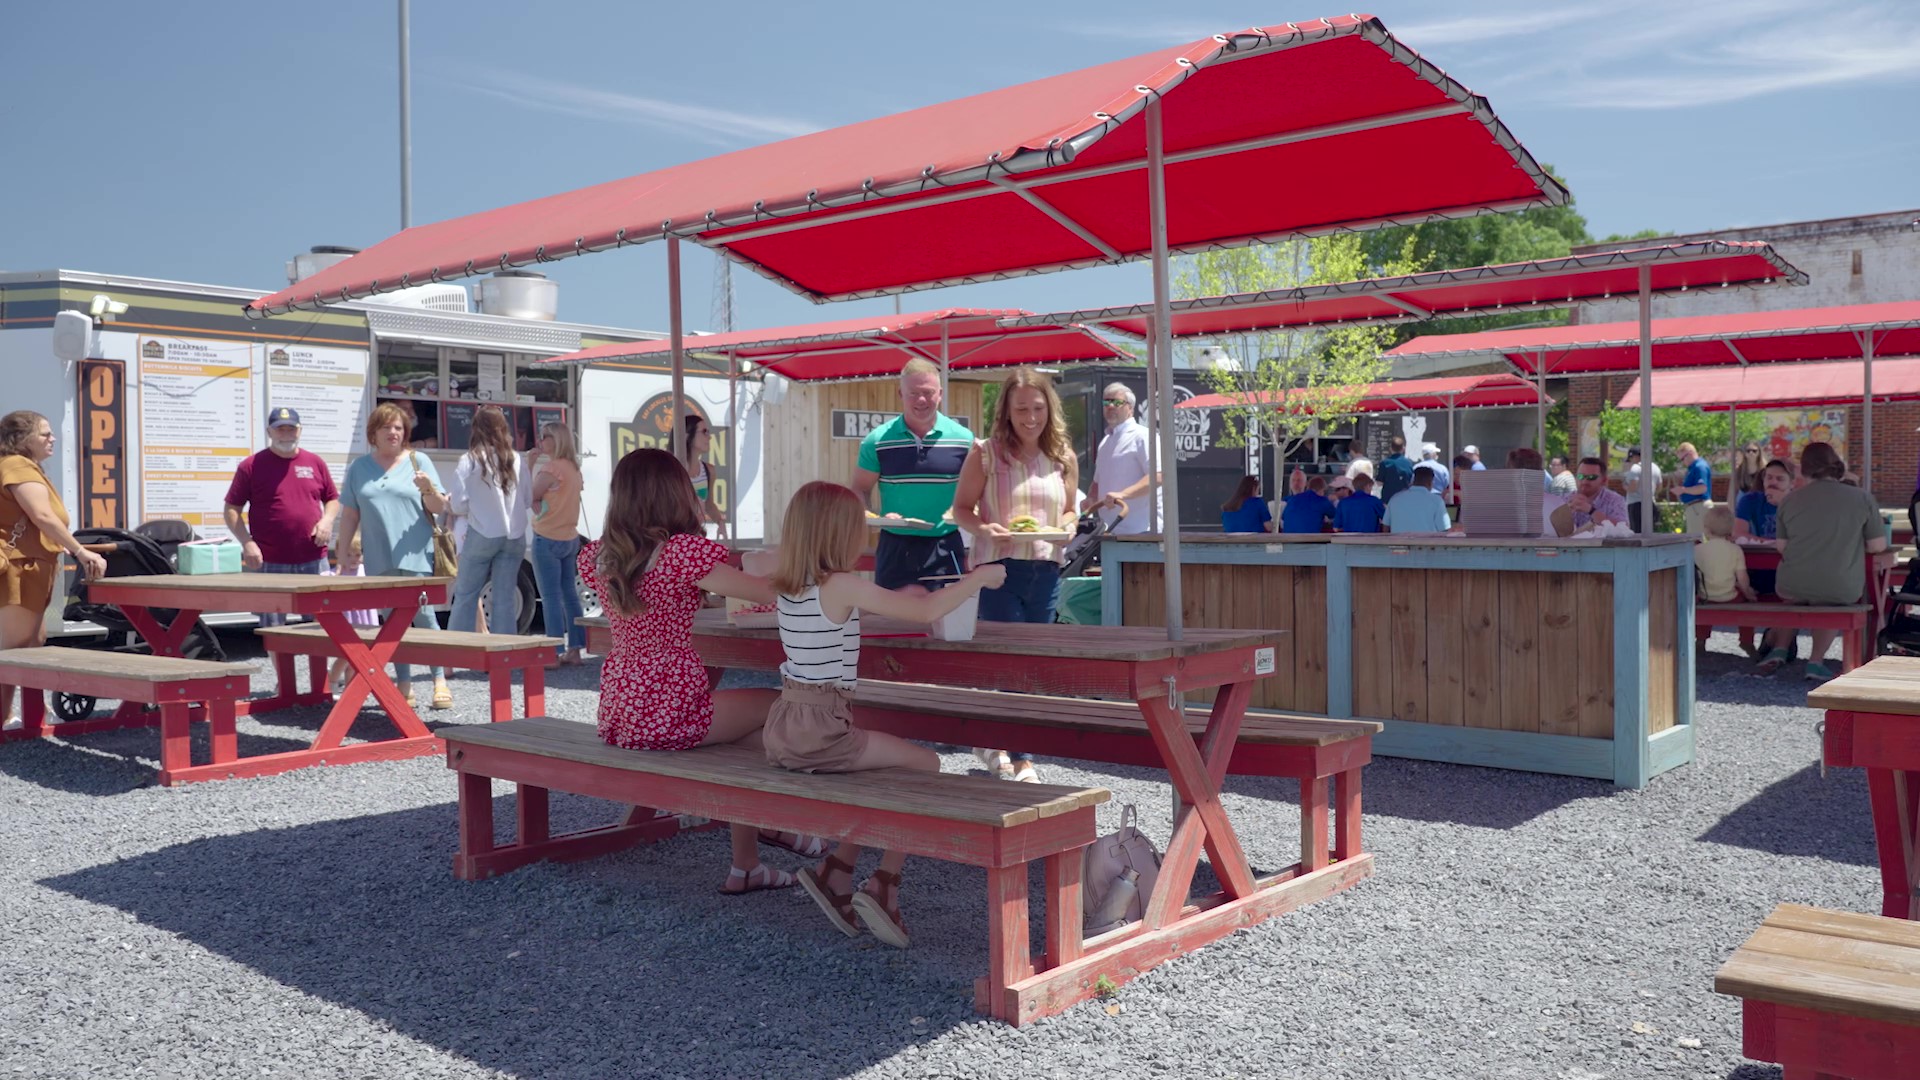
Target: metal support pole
(1163, 335)
(1540, 402)
(733, 456)
(1733, 452)
(1866, 414)
(406, 116)
(945, 361)
(677, 343)
(1150, 415)
(1646, 402)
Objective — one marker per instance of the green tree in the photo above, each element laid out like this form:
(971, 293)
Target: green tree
(1290, 379)
(1709, 433)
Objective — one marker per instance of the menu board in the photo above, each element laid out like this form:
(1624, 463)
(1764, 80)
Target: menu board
(328, 388)
(197, 422)
(456, 424)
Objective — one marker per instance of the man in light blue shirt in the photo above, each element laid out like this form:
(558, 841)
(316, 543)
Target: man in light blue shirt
(1430, 459)
(1418, 509)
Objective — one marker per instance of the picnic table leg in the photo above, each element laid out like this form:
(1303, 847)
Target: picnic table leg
(33, 711)
(1890, 792)
(533, 685)
(220, 724)
(176, 739)
(1346, 815)
(1313, 824)
(1191, 778)
(368, 661)
(476, 824)
(1065, 907)
(530, 820)
(163, 641)
(1008, 958)
(500, 687)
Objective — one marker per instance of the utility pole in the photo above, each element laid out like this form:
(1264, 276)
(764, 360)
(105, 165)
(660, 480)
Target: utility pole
(406, 120)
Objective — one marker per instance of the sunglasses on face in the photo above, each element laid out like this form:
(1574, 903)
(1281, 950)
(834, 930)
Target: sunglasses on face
(1588, 476)
(1117, 401)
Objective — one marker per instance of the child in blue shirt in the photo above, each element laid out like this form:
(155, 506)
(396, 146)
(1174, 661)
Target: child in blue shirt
(1309, 510)
(1359, 512)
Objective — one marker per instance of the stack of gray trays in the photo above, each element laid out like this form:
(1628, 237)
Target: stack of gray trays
(1501, 502)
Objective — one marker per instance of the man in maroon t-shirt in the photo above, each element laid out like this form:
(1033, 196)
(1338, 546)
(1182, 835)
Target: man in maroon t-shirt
(281, 506)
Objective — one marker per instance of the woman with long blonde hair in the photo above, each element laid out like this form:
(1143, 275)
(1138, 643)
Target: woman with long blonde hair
(555, 498)
(1025, 473)
(652, 566)
(810, 729)
(490, 490)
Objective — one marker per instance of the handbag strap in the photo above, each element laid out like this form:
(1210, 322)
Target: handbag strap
(414, 456)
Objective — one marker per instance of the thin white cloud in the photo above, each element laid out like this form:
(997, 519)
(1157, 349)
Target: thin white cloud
(1471, 28)
(1158, 32)
(720, 127)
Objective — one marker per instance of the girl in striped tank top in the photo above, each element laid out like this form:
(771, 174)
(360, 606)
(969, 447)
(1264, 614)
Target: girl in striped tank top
(810, 728)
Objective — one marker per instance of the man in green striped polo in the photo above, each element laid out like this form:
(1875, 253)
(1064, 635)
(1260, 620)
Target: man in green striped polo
(916, 461)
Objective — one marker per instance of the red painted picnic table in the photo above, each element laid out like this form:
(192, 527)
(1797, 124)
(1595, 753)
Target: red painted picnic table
(1129, 663)
(1873, 723)
(326, 600)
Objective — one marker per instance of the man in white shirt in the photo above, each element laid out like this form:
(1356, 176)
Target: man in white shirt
(1121, 466)
(1631, 481)
(1357, 460)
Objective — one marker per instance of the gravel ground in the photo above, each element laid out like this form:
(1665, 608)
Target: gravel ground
(307, 925)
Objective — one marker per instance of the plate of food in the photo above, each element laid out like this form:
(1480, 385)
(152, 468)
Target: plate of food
(877, 521)
(1027, 527)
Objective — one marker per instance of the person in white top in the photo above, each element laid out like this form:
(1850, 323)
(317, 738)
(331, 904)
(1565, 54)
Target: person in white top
(491, 493)
(1357, 460)
(1631, 481)
(1121, 467)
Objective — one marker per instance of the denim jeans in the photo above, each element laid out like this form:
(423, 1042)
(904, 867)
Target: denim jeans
(556, 571)
(403, 673)
(485, 559)
(317, 566)
(1030, 595)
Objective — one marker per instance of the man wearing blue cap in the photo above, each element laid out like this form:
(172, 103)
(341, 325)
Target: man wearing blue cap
(281, 505)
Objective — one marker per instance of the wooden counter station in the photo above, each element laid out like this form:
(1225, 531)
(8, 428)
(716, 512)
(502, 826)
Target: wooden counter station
(1555, 656)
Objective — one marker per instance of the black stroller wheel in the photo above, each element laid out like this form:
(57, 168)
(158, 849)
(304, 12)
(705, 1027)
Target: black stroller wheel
(71, 707)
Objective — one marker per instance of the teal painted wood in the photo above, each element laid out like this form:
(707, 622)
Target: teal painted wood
(1339, 638)
(1684, 653)
(1110, 585)
(1670, 749)
(1630, 673)
(1252, 553)
(1528, 751)
(1555, 561)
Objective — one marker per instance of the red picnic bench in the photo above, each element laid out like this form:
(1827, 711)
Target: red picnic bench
(973, 820)
(1829, 994)
(499, 655)
(1855, 622)
(180, 688)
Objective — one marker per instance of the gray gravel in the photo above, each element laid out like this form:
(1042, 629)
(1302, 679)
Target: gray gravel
(308, 925)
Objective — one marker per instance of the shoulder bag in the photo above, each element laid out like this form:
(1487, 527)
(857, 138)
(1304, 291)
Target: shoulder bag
(446, 558)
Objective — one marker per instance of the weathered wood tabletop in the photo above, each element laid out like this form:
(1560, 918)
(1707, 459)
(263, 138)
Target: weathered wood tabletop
(1885, 684)
(1046, 640)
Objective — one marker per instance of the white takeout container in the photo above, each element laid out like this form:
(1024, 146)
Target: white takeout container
(957, 625)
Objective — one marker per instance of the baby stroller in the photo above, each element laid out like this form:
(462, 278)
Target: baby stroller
(149, 549)
(1900, 634)
(1083, 551)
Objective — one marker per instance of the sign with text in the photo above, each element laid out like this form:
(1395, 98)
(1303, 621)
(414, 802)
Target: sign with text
(857, 423)
(103, 444)
(198, 421)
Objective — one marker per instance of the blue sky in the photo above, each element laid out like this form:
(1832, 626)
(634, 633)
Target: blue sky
(209, 141)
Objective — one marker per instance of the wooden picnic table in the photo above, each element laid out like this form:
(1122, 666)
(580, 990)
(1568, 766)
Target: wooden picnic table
(1132, 663)
(1873, 722)
(326, 600)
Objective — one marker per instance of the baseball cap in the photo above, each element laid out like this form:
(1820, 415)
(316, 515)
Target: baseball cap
(1470, 449)
(1429, 448)
(1341, 482)
(282, 417)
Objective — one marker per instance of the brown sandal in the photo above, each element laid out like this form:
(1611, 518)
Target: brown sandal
(837, 906)
(881, 912)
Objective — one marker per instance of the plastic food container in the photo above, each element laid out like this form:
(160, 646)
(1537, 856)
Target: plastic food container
(957, 625)
(209, 557)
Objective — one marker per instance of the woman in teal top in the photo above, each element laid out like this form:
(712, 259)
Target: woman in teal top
(699, 439)
(389, 498)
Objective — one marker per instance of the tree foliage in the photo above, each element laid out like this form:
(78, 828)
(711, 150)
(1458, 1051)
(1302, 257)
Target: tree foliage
(1291, 378)
(1709, 433)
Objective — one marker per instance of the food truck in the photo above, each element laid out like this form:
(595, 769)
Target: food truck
(157, 389)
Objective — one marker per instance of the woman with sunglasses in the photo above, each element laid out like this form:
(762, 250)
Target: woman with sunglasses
(1747, 468)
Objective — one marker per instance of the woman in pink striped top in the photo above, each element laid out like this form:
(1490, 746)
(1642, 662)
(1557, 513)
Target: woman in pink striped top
(1026, 469)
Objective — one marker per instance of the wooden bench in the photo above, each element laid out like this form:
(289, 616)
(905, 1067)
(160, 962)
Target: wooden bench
(1312, 750)
(179, 688)
(1829, 994)
(1854, 621)
(974, 820)
(499, 655)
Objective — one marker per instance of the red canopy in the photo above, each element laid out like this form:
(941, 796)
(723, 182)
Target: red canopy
(1800, 386)
(1409, 395)
(1473, 291)
(1836, 333)
(1270, 133)
(880, 345)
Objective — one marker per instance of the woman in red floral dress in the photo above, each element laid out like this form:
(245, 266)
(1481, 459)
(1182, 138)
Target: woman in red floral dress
(651, 567)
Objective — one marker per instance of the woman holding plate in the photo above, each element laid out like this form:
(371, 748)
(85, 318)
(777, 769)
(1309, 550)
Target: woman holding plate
(1013, 497)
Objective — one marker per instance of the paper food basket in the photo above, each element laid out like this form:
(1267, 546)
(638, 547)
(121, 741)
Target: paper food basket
(957, 625)
(209, 557)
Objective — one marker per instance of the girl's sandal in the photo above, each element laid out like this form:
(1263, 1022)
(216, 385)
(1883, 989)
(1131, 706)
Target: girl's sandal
(759, 879)
(1775, 660)
(811, 847)
(879, 908)
(837, 906)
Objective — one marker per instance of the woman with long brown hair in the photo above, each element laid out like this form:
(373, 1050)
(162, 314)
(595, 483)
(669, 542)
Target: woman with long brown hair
(555, 502)
(1246, 511)
(698, 442)
(33, 533)
(491, 491)
(1026, 470)
(652, 566)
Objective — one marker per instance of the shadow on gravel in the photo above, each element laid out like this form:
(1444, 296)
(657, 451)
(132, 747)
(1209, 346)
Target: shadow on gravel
(1805, 815)
(622, 966)
(81, 767)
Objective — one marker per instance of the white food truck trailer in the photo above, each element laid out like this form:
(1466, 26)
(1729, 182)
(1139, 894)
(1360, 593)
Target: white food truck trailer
(157, 389)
